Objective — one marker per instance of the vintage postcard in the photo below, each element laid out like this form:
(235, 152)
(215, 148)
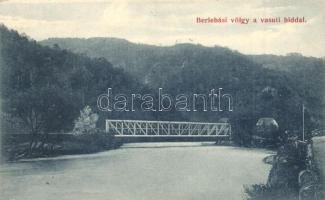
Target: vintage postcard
(162, 100)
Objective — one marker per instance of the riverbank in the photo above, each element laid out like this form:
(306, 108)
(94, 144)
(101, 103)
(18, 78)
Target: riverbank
(22, 146)
(319, 159)
(296, 172)
(16, 147)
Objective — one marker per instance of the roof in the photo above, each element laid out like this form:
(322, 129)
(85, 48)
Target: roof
(267, 121)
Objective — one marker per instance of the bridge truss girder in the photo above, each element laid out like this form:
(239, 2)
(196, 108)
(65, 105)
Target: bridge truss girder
(138, 128)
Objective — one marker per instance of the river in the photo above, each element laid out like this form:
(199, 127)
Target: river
(140, 171)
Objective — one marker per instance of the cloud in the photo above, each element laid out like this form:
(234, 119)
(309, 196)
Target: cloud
(52, 1)
(41, 28)
(165, 22)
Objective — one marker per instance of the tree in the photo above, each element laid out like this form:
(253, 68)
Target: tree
(42, 109)
(86, 122)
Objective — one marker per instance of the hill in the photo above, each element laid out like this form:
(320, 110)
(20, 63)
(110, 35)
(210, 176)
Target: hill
(289, 62)
(45, 88)
(261, 86)
(140, 60)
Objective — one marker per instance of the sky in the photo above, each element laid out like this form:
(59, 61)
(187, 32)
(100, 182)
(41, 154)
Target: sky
(167, 22)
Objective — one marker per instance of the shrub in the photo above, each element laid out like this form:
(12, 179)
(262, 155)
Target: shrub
(86, 122)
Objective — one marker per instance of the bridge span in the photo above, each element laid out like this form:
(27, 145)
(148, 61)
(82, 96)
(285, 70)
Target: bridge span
(167, 129)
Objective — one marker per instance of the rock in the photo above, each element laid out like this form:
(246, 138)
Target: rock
(269, 159)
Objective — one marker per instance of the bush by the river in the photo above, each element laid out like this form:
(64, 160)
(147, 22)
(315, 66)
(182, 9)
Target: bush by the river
(286, 182)
(18, 146)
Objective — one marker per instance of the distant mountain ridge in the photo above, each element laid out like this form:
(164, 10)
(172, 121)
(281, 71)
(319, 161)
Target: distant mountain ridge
(115, 49)
(291, 61)
(138, 59)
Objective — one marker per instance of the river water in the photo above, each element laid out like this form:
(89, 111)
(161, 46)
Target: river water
(147, 171)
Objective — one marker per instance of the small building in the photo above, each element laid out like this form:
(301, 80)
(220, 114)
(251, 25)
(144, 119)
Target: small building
(266, 129)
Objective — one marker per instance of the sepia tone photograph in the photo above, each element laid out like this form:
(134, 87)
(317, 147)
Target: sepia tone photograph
(162, 100)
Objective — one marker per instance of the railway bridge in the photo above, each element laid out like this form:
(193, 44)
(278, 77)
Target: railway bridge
(168, 129)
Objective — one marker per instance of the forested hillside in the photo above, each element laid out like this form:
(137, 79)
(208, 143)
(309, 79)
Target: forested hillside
(45, 88)
(262, 86)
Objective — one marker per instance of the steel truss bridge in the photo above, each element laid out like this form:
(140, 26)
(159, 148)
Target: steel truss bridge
(138, 128)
